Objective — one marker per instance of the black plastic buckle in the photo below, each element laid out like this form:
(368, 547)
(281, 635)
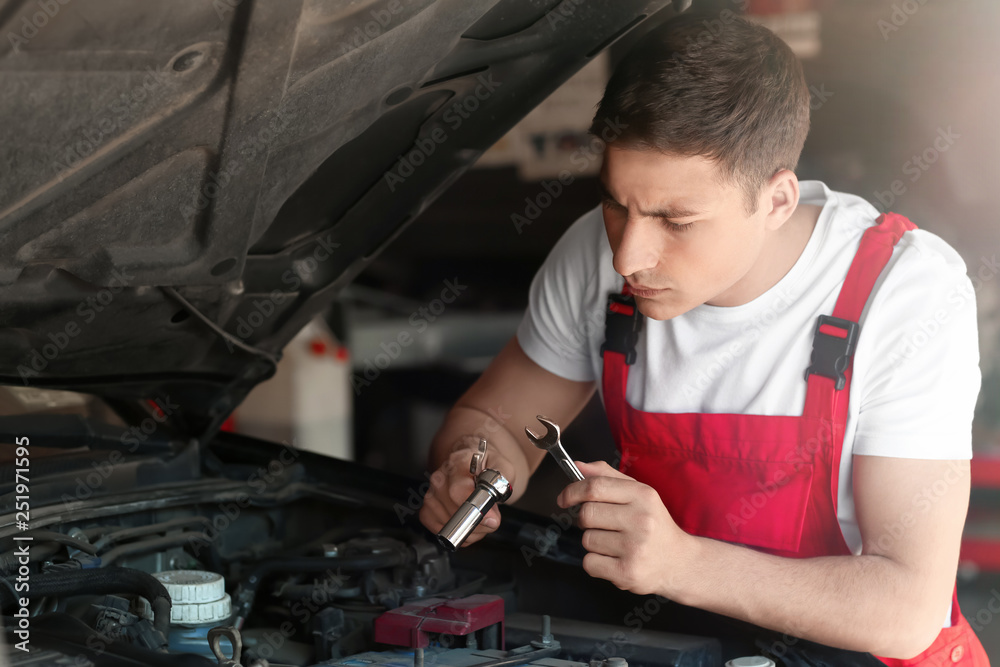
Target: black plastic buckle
(621, 331)
(831, 353)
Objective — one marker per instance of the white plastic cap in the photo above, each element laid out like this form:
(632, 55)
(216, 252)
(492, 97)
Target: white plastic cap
(191, 586)
(204, 612)
(197, 596)
(751, 661)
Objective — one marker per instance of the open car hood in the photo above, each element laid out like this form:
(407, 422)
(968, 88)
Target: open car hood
(175, 171)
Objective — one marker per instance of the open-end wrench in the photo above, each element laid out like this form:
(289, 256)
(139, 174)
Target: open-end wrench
(550, 443)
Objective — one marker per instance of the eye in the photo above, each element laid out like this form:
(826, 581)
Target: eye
(674, 227)
(610, 203)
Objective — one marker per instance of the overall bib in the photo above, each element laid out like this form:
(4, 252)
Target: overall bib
(768, 482)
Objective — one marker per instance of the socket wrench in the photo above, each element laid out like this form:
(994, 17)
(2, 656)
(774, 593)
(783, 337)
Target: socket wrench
(491, 488)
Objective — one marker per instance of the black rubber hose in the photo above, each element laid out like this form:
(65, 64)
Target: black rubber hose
(104, 536)
(100, 581)
(359, 563)
(42, 551)
(247, 590)
(50, 536)
(153, 544)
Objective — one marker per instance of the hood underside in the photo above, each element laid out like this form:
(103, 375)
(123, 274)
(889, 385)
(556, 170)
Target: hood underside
(186, 184)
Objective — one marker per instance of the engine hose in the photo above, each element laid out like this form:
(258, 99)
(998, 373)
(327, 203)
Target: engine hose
(102, 581)
(7, 543)
(247, 590)
(153, 544)
(360, 563)
(9, 561)
(106, 536)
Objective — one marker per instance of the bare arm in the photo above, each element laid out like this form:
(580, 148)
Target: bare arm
(505, 399)
(891, 600)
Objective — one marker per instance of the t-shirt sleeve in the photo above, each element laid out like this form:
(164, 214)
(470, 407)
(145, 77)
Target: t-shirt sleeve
(923, 378)
(561, 319)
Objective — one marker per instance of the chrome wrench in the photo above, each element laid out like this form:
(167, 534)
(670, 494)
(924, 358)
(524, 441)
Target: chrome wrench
(550, 443)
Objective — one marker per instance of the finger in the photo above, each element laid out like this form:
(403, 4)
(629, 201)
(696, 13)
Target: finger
(459, 490)
(604, 516)
(492, 519)
(619, 491)
(604, 542)
(600, 566)
(600, 469)
(434, 517)
(433, 514)
(484, 528)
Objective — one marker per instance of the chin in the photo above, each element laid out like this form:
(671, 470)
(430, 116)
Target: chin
(658, 309)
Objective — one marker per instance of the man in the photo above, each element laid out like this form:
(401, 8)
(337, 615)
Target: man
(849, 483)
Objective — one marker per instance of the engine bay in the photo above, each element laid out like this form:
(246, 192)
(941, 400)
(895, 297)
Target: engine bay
(282, 557)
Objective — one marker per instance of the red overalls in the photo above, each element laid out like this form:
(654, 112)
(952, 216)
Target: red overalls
(769, 482)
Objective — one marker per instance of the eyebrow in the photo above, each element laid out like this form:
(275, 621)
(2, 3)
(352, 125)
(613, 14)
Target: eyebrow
(663, 212)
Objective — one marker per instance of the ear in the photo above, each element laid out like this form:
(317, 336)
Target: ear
(780, 198)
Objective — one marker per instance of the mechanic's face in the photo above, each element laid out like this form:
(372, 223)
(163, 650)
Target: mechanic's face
(680, 236)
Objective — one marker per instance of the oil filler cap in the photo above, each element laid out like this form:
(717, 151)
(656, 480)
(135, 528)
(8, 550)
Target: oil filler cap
(197, 596)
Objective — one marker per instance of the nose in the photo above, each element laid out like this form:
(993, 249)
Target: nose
(637, 246)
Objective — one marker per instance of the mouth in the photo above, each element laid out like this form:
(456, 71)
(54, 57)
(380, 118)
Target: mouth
(645, 292)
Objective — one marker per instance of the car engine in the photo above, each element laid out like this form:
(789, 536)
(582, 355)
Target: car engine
(250, 553)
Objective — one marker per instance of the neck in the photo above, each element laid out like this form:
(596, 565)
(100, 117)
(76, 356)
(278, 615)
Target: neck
(778, 255)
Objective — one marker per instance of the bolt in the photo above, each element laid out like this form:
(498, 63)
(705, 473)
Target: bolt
(546, 629)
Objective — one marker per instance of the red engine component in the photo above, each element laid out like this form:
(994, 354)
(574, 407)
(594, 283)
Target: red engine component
(411, 624)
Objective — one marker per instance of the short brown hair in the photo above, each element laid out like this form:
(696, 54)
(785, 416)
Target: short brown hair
(720, 87)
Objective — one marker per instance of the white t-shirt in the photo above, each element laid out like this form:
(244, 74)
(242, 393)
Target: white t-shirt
(916, 368)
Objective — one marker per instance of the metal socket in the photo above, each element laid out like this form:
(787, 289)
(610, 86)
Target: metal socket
(491, 488)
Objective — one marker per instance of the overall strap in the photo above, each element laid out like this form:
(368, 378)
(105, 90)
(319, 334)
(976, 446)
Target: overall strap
(836, 335)
(622, 324)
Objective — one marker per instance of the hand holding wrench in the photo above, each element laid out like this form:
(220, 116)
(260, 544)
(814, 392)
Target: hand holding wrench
(550, 443)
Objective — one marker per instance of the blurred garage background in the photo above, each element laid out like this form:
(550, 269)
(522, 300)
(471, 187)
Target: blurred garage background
(372, 380)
